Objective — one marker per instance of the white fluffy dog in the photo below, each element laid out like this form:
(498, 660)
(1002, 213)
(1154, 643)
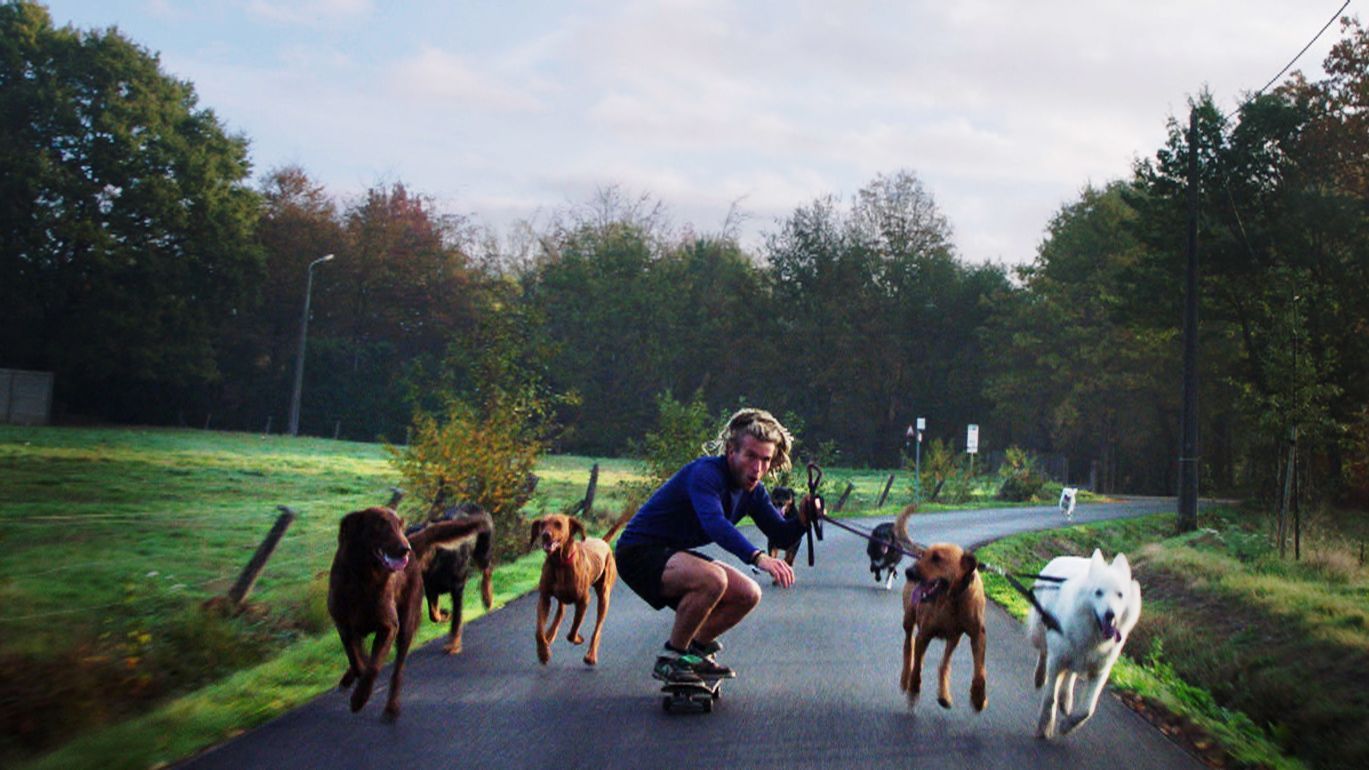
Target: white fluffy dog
(1067, 495)
(1097, 605)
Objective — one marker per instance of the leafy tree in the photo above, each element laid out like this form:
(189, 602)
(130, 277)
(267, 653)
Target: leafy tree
(601, 299)
(883, 316)
(298, 223)
(683, 431)
(399, 292)
(125, 234)
(1076, 375)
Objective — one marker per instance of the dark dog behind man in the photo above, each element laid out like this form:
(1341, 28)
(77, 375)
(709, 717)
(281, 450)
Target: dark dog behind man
(452, 564)
(783, 498)
(884, 554)
(375, 586)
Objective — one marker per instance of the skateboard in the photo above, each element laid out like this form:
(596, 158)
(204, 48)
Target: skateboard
(691, 697)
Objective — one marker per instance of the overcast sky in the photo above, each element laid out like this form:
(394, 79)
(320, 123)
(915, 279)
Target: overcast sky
(504, 110)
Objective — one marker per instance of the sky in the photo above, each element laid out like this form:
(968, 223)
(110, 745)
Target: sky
(505, 110)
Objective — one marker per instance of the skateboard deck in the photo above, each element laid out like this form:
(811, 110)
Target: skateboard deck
(691, 697)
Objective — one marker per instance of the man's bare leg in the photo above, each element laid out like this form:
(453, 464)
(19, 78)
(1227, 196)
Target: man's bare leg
(713, 598)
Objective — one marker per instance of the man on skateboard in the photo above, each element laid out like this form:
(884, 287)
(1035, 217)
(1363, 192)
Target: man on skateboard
(702, 504)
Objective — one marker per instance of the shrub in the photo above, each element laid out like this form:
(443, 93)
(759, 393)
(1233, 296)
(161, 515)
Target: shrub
(1020, 479)
(483, 456)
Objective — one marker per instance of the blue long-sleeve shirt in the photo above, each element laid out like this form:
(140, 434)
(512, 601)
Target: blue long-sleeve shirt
(700, 505)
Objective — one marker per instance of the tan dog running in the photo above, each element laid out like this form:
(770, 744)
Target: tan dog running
(570, 570)
(943, 599)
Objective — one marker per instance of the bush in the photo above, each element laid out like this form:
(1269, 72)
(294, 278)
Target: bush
(482, 456)
(1021, 481)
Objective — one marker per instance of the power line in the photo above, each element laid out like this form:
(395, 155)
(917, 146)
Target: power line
(1290, 63)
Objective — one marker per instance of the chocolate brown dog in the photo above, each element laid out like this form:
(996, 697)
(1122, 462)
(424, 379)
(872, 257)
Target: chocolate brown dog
(568, 573)
(943, 599)
(376, 587)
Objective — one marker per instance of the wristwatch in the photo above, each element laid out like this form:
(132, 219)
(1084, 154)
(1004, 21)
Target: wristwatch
(756, 558)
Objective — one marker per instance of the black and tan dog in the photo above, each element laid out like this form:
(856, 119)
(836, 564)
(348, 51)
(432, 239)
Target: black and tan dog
(943, 599)
(783, 498)
(376, 587)
(452, 564)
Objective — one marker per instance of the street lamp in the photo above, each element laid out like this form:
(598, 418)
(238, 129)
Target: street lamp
(299, 360)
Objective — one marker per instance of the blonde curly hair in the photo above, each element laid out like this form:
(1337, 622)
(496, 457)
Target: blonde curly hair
(761, 425)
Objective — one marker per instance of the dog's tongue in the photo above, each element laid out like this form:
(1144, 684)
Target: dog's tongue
(393, 564)
(919, 591)
(1109, 630)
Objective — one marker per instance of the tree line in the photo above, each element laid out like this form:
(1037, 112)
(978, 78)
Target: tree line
(141, 263)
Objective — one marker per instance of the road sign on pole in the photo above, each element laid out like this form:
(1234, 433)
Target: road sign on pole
(972, 439)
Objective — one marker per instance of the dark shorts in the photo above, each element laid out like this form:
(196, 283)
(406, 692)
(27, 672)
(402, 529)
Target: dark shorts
(641, 567)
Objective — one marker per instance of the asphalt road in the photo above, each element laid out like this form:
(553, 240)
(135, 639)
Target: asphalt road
(817, 687)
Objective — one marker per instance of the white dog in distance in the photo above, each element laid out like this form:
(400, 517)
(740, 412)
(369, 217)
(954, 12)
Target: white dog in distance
(1067, 495)
(1097, 605)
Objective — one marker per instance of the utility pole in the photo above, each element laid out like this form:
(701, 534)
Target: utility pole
(1188, 455)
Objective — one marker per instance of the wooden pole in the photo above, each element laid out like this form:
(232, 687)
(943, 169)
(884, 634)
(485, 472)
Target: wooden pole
(842, 501)
(249, 575)
(1188, 454)
(885, 494)
(590, 490)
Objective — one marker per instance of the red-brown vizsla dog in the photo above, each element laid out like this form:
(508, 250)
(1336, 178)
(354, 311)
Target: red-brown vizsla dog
(569, 571)
(376, 587)
(943, 599)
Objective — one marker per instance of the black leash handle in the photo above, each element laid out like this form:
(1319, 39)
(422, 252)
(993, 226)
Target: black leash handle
(815, 515)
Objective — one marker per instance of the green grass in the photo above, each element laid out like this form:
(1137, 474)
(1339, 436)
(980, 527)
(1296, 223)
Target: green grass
(1269, 656)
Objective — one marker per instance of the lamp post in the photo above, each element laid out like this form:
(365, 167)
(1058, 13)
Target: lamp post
(303, 331)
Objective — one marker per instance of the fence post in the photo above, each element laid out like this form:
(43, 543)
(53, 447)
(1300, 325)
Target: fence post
(249, 575)
(844, 495)
(267, 430)
(591, 489)
(885, 494)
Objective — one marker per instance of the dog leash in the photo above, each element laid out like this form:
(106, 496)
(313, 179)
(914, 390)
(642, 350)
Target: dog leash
(1049, 619)
(815, 506)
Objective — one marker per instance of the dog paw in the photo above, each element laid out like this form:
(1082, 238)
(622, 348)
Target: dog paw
(544, 654)
(1068, 724)
(978, 697)
(945, 702)
(591, 660)
(1045, 730)
(575, 639)
(391, 712)
(359, 698)
(452, 648)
